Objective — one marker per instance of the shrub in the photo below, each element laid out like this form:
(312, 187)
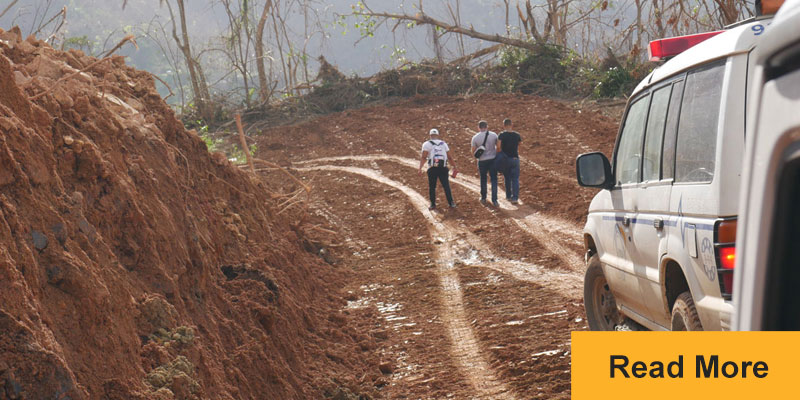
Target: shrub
(615, 81)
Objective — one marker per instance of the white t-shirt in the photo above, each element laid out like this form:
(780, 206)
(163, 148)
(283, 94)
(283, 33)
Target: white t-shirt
(491, 145)
(436, 150)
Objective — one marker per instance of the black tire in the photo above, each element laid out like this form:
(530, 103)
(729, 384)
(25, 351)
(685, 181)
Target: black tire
(684, 314)
(599, 302)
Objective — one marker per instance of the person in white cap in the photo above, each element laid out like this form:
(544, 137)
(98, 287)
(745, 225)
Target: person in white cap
(435, 153)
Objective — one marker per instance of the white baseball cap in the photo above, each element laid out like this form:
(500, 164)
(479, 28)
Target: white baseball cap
(434, 131)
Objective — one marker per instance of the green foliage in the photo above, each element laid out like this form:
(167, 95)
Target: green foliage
(398, 56)
(620, 76)
(365, 23)
(512, 56)
(555, 70)
(548, 66)
(81, 43)
(616, 81)
(238, 157)
(250, 94)
(212, 144)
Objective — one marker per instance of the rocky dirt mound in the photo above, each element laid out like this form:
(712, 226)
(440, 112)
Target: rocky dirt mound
(134, 264)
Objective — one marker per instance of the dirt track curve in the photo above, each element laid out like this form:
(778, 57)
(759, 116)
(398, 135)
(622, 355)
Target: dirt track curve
(472, 302)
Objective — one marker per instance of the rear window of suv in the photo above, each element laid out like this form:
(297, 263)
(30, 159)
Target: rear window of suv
(697, 128)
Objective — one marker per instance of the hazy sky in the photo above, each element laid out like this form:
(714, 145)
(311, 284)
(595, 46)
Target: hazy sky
(105, 21)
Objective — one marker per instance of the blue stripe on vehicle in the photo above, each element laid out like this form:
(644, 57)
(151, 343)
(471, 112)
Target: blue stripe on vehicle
(702, 227)
(672, 223)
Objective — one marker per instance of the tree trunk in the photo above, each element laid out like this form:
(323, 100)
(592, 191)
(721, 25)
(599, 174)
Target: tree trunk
(199, 87)
(658, 15)
(638, 46)
(280, 52)
(262, 70)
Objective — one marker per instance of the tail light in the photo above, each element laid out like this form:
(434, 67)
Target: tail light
(669, 47)
(727, 257)
(725, 244)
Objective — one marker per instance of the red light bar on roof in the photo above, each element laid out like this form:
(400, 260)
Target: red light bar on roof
(663, 48)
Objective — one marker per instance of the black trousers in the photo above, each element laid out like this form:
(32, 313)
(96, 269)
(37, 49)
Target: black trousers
(442, 174)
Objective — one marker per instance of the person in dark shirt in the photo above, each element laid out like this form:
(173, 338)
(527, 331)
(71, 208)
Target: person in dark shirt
(508, 143)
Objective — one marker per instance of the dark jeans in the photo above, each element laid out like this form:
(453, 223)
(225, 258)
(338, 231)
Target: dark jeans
(485, 167)
(511, 178)
(442, 174)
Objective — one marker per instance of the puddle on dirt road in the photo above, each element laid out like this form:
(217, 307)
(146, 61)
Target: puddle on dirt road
(549, 314)
(389, 311)
(403, 370)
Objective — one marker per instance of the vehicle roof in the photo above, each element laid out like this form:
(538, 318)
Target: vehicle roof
(739, 39)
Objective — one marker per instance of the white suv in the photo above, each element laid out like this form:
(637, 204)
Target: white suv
(767, 266)
(660, 237)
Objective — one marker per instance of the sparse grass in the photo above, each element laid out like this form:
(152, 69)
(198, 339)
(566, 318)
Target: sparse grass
(179, 369)
(181, 334)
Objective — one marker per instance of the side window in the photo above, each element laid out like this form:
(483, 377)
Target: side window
(654, 136)
(629, 150)
(697, 128)
(671, 132)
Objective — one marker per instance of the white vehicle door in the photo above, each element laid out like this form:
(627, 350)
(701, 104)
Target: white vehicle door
(649, 236)
(694, 200)
(619, 251)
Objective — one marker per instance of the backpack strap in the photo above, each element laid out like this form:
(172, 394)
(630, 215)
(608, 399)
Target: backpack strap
(486, 137)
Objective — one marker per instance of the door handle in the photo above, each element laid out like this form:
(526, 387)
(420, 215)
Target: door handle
(658, 223)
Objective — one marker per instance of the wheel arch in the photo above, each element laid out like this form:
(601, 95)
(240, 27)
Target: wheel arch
(673, 283)
(589, 245)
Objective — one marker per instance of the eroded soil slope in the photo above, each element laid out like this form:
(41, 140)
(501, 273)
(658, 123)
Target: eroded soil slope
(133, 264)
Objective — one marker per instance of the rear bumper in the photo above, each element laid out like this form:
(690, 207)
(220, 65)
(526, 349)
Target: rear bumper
(715, 313)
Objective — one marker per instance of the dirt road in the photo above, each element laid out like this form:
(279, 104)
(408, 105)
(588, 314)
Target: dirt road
(473, 302)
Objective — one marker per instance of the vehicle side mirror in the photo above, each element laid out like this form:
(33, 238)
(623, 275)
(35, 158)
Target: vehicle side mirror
(594, 170)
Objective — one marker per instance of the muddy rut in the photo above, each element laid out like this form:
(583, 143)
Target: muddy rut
(452, 241)
(465, 346)
(550, 231)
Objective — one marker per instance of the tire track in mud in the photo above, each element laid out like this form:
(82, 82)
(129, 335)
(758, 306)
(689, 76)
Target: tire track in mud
(465, 348)
(548, 231)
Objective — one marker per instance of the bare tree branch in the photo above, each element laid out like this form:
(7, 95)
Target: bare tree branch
(423, 19)
(8, 8)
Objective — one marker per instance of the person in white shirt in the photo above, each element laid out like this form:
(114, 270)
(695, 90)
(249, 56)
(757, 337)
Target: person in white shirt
(435, 153)
(486, 141)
